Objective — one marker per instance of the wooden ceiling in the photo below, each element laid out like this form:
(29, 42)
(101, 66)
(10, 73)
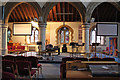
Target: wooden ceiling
(23, 13)
(59, 9)
(106, 12)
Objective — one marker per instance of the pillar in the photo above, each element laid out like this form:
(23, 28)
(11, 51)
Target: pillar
(85, 29)
(42, 27)
(3, 32)
(3, 39)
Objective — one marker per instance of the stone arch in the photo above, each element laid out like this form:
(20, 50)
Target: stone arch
(71, 30)
(92, 5)
(9, 7)
(78, 5)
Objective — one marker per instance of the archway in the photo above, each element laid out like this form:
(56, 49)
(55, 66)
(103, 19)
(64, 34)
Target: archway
(10, 6)
(79, 7)
(92, 5)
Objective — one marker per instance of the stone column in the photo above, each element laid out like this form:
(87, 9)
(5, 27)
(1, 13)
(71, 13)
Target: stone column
(85, 29)
(3, 39)
(42, 27)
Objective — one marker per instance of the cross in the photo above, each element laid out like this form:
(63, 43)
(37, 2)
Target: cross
(64, 14)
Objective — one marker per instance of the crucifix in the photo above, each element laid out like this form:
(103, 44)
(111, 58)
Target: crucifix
(64, 13)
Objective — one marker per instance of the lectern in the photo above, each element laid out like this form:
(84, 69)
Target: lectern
(95, 44)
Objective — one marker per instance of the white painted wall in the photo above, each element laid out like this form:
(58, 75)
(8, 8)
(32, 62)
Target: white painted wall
(54, 25)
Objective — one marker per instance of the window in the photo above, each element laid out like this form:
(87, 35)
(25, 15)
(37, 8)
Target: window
(63, 35)
(97, 39)
(8, 35)
(34, 37)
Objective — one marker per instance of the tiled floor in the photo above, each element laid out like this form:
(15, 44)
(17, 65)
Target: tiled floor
(51, 70)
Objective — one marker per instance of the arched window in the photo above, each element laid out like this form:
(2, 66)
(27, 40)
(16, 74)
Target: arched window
(64, 35)
(34, 37)
(97, 39)
(8, 35)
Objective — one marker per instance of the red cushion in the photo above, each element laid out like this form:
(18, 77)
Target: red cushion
(39, 65)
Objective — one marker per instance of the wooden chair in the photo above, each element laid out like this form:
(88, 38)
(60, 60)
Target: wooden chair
(8, 66)
(9, 57)
(24, 69)
(20, 58)
(8, 76)
(34, 63)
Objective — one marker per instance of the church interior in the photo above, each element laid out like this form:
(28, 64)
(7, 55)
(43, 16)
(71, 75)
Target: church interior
(59, 40)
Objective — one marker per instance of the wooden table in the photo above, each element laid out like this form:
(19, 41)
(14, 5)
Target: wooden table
(87, 75)
(105, 70)
(99, 62)
(96, 62)
(78, 74)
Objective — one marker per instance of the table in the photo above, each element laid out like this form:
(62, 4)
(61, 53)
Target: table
(96, 62)
(78, 74)
(99, 62)
(105, 70)
(95, 73)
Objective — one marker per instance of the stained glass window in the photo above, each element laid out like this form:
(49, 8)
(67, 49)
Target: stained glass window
(67, 37)
(63, 34)
(8, 35)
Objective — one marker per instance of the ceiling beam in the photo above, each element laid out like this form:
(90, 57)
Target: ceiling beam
(35, 13)
(54, 12)
(14, 15)
(72, 14)
(76, 15)
(51, 15)
(59, 10)
(48, 18)
(19, 18)
(24, 12)
(30, 11)
(68, 11)
(58, 19)
(27, 12)
(20, 13)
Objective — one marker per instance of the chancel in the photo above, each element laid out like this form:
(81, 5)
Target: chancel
(59, 40)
